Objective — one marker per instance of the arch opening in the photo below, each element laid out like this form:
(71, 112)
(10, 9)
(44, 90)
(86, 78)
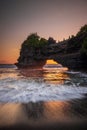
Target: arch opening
(51, 61)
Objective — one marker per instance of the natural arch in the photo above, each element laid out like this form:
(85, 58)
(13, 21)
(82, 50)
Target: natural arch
(71, 53)
(51, 61)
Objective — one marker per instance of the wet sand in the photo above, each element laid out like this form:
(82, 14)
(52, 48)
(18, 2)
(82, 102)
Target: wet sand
(53, 115)
(43, 115)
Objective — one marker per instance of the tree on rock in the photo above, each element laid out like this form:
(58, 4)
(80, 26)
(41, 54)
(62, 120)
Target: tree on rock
(83, 30)
(51, 41)
(84, 49)
(33, 40)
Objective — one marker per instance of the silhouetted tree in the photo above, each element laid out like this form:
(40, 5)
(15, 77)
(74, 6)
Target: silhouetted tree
(69, 37)
(63, 39)
(72, 36)
(84, 49)
(83, 29)
(33, 40)
(51, 41)
(42, 42)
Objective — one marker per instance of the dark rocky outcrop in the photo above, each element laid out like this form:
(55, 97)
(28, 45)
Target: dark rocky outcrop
(67, 52)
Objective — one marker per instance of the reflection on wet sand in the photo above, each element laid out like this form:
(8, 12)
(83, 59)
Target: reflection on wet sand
(52, 115)
(11, 114)
(55, 77)
(34, 111)
(31, 73)
(54, 73)
(50, 76)
(44, 115)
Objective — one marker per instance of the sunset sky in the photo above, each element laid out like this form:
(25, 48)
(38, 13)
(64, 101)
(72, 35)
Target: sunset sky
(55, 18)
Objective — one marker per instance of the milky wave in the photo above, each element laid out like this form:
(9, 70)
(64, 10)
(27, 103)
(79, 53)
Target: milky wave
(24, 90)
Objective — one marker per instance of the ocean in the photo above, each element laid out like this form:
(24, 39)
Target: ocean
(51, 97)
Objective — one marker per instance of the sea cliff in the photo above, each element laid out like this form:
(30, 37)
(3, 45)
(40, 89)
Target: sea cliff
(71, 52)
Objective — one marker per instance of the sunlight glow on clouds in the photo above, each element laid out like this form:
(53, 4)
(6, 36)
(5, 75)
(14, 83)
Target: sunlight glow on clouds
(55, 18)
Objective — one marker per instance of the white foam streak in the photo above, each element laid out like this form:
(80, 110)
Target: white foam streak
(24, 90)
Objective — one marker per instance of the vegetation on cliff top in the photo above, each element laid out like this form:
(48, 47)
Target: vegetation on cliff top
(78, 42)
(83, 30)
(75, 42)
(33, 40)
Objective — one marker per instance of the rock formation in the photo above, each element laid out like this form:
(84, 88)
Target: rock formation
(70, 53)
